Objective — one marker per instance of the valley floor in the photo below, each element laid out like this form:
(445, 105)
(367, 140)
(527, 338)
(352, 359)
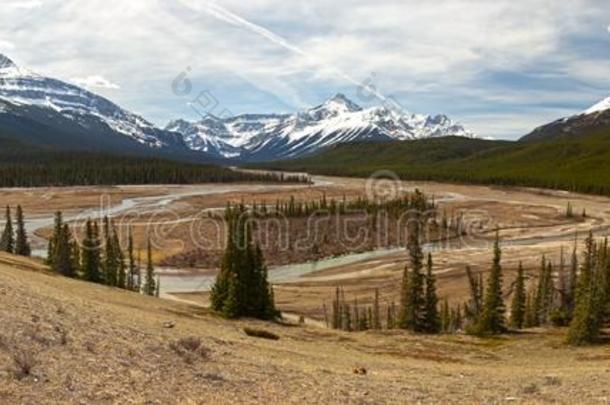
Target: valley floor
(92, 344)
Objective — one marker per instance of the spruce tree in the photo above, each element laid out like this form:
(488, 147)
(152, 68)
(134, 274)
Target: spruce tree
(63, 261)
(492, 319)
(90, 254)
(54, 239)
(474, 306)
(241, 287)
(149, 282)
(376, 324)
(22, 246)
(432, 320)
(7, 240)
(131, 264)
(412, 302)
(517, 313)
(590, 295)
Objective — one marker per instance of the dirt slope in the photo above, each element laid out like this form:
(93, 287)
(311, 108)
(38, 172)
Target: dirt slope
(92, 344)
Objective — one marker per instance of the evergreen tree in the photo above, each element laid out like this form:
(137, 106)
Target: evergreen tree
(149, 282)
(474, 307)
(131, 264)
(7, 240)
(432, 320)
(376, 321)
(53, 240)
(90, 253)
(22, 246)
(518, 305)
(75, 258)
(590, 295)
(492, 318)
(241, 287)
(544, 294)
(63, 261)
(412, 302)
(531, 315)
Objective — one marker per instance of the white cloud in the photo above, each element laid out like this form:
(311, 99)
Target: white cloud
(95, 82)
(6, 45)
(24, 4)
(296, 51)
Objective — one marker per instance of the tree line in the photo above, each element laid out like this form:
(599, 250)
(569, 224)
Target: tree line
(98, 257)
(395, 207)
(576, 294)
(13, 240)
(85, 169)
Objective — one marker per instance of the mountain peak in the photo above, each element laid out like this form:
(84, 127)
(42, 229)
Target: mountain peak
(342, 100)
(6, 63)
(334, 106)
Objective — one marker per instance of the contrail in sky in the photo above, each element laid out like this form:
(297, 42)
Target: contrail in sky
(229, 17)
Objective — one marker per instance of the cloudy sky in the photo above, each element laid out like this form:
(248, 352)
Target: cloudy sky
(499, 67)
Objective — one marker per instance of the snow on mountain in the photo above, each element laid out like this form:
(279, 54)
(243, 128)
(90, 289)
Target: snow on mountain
(599, 107)
(26, 92)
(595, 118)
(338, 120)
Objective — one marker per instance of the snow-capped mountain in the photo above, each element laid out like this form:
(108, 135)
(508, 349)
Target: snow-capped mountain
(603, 105)
(595, 118)
(42, 110)
(278, 136)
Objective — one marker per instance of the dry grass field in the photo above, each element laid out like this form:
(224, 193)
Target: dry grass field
(91, 344)
(84, 343)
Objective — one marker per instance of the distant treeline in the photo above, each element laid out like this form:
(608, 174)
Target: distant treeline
(82, 168)
(578, 164)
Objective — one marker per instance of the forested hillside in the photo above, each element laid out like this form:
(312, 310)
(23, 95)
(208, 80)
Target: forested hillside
(26, 166)
(579, 163)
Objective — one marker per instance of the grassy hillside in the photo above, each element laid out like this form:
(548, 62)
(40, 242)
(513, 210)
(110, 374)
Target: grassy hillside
(576, 163)
(88, 343)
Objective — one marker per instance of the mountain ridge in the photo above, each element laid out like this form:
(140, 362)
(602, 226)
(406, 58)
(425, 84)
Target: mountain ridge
(50, 112)
(594, 119)
(260, 137)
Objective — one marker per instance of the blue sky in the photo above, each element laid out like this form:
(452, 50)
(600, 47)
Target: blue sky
(500, 68)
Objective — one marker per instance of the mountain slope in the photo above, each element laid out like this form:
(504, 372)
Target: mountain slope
(592, 120)
(576, 163)
(338, 120)
(49, 112)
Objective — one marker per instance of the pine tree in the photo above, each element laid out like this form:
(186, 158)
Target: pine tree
(517, 313)
(431, 316)
(90, 253)
(544, 294)
(63, 261)
(376, 324)
(590, 295)
(7, 240)
(492, 318)
(412, 302)
(53, 240)
(22, 246)
(243, 274)
(149, 283)
(131, 264)
(474, 307)
(531, 315)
